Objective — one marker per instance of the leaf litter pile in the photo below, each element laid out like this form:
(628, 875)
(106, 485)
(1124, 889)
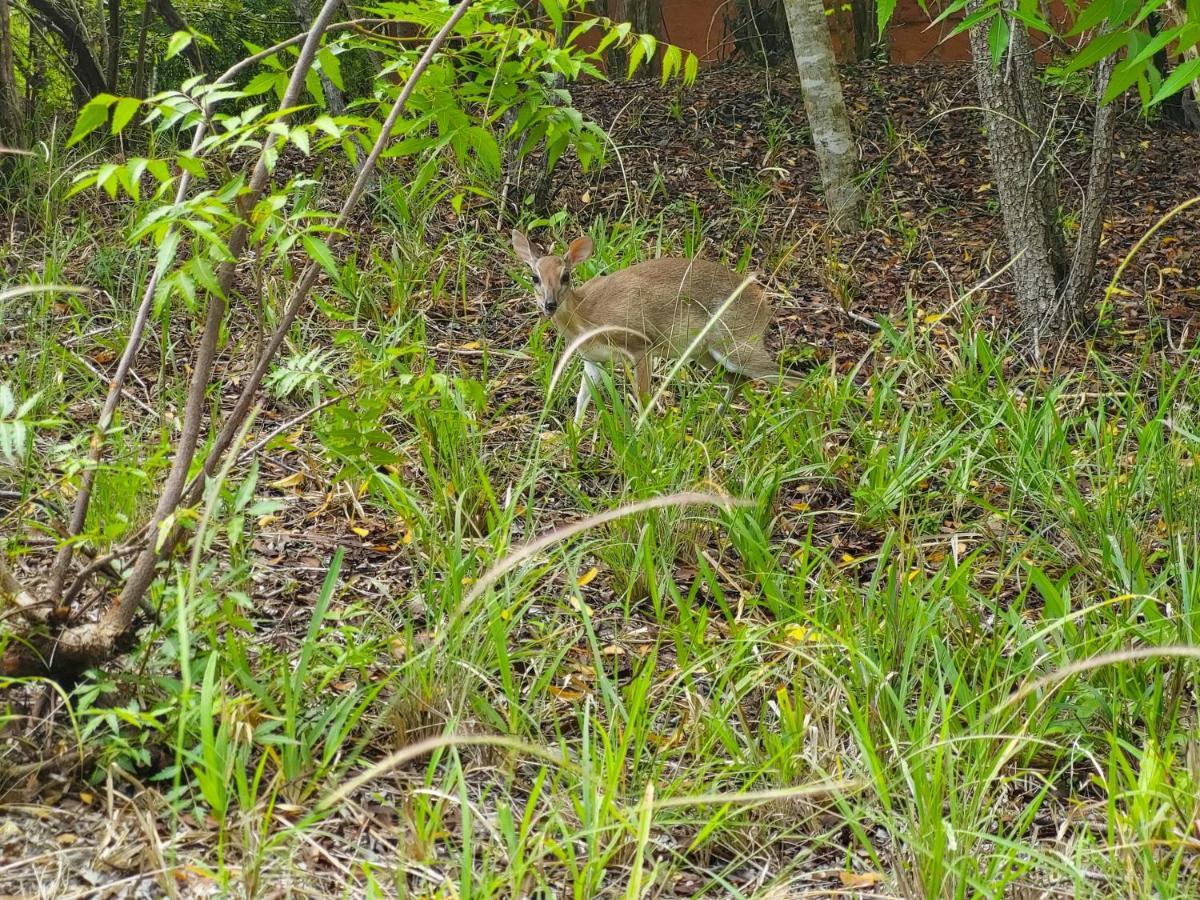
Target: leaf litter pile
(726, 162)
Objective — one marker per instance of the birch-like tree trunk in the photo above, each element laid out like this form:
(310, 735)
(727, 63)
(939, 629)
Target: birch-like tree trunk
(837, 153)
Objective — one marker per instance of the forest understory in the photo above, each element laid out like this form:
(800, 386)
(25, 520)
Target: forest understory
(932, 508)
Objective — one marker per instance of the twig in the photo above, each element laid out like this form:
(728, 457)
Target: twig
(87, 641)
(313, 271)
(116, 386)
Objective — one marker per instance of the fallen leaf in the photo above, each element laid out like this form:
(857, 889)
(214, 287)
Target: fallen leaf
(361, 532)
(291, 481)
(859, 879)
(587, 577)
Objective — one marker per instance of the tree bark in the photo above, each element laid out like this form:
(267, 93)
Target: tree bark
(760, 31)
(139, 72)
(89, 80)
(1077, 295)
(646, 18)
(114, 42)
(176, 22)
(837, 154)
(334, 101)
(1019, 141)
(11, 131)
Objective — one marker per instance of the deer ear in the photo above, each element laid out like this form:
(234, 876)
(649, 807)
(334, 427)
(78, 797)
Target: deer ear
(580, 249)
(525, 250)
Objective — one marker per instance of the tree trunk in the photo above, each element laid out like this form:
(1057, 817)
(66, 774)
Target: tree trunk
(867, 41)
(114, 42)
(11, 131)
(1019, 141)
(89, 80)
(334, 101)
(1077, 296)
(826, 110)
(646, 18)
(176, 22)
(139, 72)
(760, 31)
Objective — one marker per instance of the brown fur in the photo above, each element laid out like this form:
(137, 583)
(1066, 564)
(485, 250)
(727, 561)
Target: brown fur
(655, 309)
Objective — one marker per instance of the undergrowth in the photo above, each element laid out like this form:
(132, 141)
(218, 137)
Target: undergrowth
(927, 531)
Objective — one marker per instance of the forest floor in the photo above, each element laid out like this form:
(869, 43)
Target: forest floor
(692, 654)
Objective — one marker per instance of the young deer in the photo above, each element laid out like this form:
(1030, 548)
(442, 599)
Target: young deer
(654, 309)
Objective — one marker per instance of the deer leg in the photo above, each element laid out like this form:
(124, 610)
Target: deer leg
(591, 373)
(641, 374)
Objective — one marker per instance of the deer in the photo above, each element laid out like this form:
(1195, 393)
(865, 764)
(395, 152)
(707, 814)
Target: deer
(689, 309)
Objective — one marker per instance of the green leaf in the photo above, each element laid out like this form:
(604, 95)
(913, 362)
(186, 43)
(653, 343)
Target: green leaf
(1183, 75)
(582, 28)
(554, 11)
(319, 251)
(179, 42)
(883, 14)
(1104, 46)
(671, 61)
(331, 67)
(124, 112)
(690, 67)
(263, 82)
(191, 165)
(487, 151)
(635, 58)
(159, 169)
(975, 18)
(998, 35)
(299, 137)
(92, 116)
(1156, 43)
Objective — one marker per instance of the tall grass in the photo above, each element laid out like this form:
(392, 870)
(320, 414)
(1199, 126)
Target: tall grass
(930, 552)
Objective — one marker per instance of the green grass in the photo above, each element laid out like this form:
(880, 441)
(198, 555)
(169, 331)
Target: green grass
(927, 531)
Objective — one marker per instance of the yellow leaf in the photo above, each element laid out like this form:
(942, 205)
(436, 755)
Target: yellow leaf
(934, 317)
(361, 532)
(86, 797)
(470, 345)
(860, 879)
(264, 521)
(408, 537)
(800, 507)
(565, 693)
(292, 480)
(986, 186)
(798, 634)
(847, 558)
(587, 577)
(586, 198)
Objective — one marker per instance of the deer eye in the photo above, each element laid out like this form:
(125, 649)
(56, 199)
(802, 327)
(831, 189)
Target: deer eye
(537, 279)
(566, 278)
